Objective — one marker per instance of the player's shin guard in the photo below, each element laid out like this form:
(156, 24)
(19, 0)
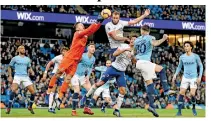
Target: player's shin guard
(150, 94)
(31, 100)
(51, 99)
(12, 95)
(91, 91)
(163, 80)
(75, 101)
(92, 102)
(119, 101)
(193, 101)
(180, 102)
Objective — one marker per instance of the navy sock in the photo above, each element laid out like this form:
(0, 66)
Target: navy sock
(163, 80)
(12, 95)
(92, 102)
(150, 94)
(180, 102)
(193, 100)
(75, 100)
(31, 100)
(88, 100)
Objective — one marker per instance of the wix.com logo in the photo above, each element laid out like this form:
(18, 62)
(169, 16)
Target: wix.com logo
(192, 26)
(84, 19)
(28, 16)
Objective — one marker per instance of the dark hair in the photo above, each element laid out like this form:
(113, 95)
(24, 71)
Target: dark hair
(189, 42)
(91, 43)
(76, 25)
(145, 28)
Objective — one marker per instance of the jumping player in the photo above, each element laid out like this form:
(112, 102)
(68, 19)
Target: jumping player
(21, 65)
(117, 70)
(114, 29)
(143, 48)
(104, 89)
(73, 56)
(52, 92)
(81, 77)
(190, 61)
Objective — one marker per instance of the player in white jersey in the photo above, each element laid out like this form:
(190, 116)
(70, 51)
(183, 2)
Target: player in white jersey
(52, 87)
(190, 61)
(22, 65)
(114, 29)
(143, 48)
(123, 56)
(104, 89)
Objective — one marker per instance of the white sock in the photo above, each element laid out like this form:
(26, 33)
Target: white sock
(91, 91)
(119, 101)
(51, 100)
(56, 99)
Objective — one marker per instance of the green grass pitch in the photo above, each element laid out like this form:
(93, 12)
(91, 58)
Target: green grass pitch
(124, 112)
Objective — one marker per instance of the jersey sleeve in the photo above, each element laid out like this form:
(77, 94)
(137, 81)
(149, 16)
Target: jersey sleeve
(151, 38)
(99, 68)
(12, 62)
(179, 66)
(54, 59)
(200, 65)
(124, 23)
(90, 30)
(108, 28)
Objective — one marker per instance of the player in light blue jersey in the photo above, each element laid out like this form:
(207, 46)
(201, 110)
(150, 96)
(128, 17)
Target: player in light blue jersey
(190, 61)
(143, 46)
(21, 64)
(81, 77)
(104, 89)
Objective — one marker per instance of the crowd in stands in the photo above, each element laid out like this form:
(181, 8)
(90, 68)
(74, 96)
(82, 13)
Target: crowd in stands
(136, 93)
(160, 12)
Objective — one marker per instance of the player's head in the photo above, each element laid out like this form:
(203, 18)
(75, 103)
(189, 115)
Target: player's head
(64, 50)
(78, 26)
(108, 63)
(145, 29)
(188, 46)
(132, 39)
(91, 48)
(21, 50)
(115, 17)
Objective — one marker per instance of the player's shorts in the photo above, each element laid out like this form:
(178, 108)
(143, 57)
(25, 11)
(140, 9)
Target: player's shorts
(105, 92)
(59, 81)
(68, 66)
(147, 69)
(188, 82)
(24, 80)
(78, 80)
(112, 72)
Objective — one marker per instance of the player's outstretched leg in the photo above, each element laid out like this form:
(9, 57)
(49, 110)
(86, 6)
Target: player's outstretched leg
(122, 92)
(150, 94)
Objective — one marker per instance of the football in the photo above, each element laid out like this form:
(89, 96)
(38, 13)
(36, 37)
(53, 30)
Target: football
(105, 13)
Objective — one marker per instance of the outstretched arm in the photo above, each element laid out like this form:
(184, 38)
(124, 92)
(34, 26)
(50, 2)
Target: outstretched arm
(137, 20)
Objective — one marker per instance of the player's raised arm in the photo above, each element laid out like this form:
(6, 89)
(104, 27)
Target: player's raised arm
(137, 20)
(158, 42)
(92, 28)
